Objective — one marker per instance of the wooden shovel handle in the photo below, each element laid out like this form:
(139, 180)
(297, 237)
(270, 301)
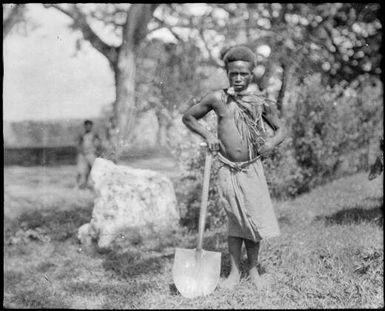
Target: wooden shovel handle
(204, 201)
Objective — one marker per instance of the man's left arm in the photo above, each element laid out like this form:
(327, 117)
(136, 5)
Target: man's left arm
(270, 115)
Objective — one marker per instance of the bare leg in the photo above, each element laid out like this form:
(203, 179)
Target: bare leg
(82, 167)
(87, 176)
(90, 162)
(235, 247)
(252, 249)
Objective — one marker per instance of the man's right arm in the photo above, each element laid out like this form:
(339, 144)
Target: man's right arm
(193, 114)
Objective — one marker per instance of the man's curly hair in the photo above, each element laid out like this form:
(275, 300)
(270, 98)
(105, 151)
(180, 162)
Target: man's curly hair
(238, 53)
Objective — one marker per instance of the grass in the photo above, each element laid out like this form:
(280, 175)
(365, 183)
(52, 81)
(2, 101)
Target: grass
(329, 255)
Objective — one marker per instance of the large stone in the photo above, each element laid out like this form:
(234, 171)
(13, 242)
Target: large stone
(129, 203)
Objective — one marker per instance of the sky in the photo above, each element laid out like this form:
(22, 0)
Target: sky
(43, 80)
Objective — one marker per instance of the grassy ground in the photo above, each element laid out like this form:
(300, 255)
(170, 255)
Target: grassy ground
(329, 255)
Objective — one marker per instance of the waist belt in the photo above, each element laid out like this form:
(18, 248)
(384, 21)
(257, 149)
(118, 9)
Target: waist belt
(237, 166)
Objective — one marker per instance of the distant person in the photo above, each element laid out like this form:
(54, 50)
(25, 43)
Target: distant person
(112, 139)
(88, 150)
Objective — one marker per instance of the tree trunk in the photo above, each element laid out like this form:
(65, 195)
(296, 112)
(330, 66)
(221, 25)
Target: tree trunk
(124, 106)
(162, 131)
(134, 31)
(282, 90)
(122, 60)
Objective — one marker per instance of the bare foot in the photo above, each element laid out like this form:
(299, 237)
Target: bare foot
(261, 282)
(231, 281)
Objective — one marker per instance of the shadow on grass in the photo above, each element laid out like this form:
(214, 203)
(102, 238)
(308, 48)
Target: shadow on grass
(244, 267)
(217, 242)
(356, 214)
(59, 225)
(132, 263)
(224, 272)
(173, 290)
(377, 200)
(12, 278)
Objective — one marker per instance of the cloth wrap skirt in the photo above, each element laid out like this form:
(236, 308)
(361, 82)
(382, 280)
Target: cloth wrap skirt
(244, 194)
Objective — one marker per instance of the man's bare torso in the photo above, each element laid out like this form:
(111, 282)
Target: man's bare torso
(229, 141)
(232, 146)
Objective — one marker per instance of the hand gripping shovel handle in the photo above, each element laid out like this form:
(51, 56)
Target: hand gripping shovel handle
(205, 195)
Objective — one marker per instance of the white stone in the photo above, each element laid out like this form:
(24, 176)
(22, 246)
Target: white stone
(128, 202)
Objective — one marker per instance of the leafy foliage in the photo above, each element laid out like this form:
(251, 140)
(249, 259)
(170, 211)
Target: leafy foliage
(167, 76)
(339, 40)
(330, 131)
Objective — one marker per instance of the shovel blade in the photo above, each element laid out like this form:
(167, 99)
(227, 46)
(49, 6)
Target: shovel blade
(196, 273)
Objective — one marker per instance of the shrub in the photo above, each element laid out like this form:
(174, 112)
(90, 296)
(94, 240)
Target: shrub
(189, 192)
(328, 124)
(283, 175)
(329, 133)
(188, 188)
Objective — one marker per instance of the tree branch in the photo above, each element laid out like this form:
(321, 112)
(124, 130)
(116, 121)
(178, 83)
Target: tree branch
(13, 17)
(168, 27)
(225, 8)
(110, 20)
(212, 58)
(138, 17)
(282, 90)
(80, 23)
(330, 36)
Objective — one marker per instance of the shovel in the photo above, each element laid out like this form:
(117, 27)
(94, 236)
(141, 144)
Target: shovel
(196, 271)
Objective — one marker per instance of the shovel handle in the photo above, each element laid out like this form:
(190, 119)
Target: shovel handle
(204, 201)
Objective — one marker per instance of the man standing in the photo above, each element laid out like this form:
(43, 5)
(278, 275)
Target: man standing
(88, 149)
(242, 114)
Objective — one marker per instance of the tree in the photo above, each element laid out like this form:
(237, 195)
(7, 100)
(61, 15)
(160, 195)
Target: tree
(129, 23)
(12, 14)
(339, 40)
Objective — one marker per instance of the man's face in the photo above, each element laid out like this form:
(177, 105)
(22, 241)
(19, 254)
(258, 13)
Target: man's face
(239, 74)
(88, 127)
